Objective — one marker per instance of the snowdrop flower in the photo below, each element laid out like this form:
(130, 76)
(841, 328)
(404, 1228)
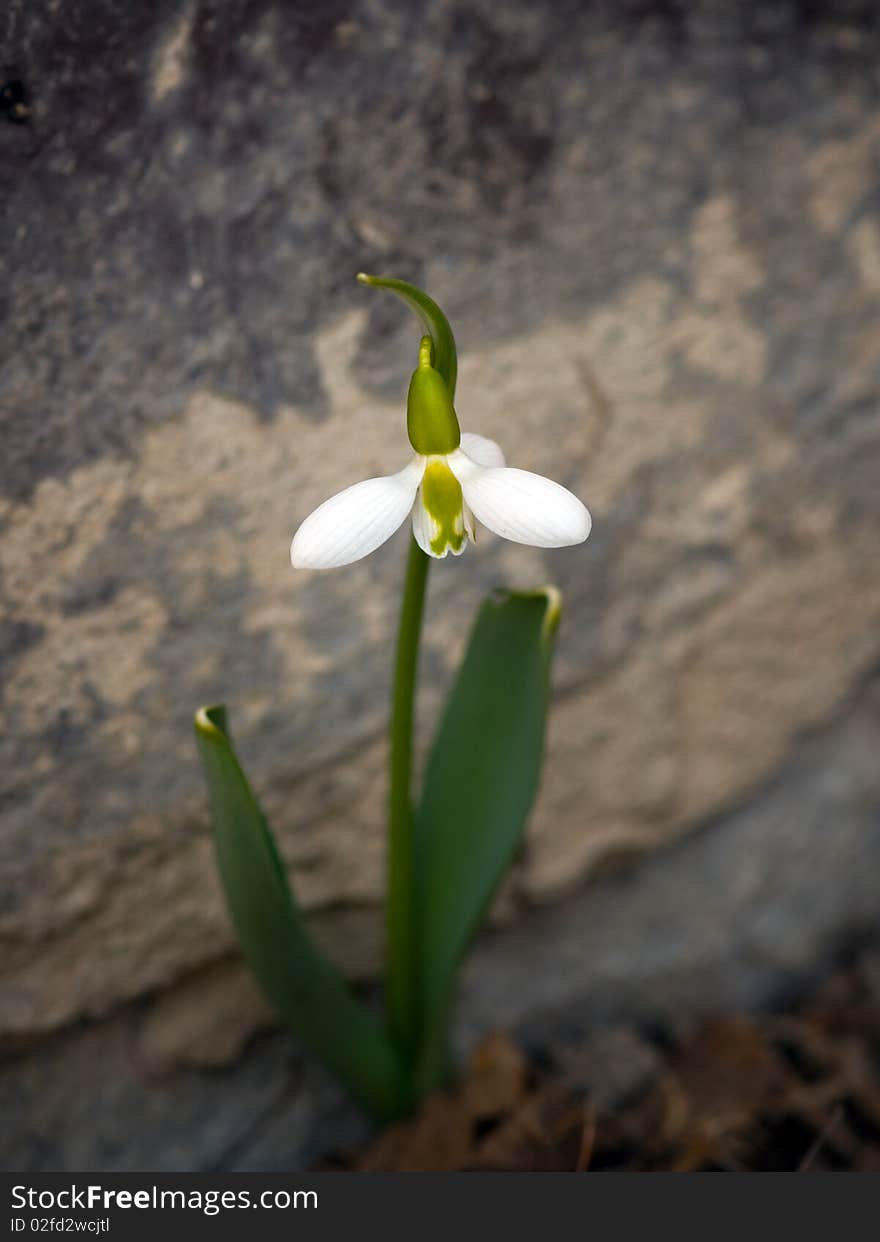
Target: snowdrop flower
(452, 480)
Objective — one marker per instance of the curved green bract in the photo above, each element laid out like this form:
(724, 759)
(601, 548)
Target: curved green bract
(432, 319)
(305, 988)
(480, 783)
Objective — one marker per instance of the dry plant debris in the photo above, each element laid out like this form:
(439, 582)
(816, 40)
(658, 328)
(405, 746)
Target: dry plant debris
(782, 1092)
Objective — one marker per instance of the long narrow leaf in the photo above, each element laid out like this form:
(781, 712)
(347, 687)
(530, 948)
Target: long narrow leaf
(481, 780)
(305, 988)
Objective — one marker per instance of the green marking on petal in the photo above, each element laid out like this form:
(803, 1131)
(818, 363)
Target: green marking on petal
(442, 498)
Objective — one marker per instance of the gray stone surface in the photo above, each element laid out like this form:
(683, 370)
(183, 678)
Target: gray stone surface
(741, 915)
(655, 230)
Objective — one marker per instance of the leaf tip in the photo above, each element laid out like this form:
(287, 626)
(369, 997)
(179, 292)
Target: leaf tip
(553, 596)
(211, 721)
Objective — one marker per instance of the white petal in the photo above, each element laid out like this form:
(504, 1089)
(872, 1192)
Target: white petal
(521, 506)
(483, 451)
(357, 521)
(423, 526)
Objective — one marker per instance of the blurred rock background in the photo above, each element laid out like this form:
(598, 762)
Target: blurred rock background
(654, 227)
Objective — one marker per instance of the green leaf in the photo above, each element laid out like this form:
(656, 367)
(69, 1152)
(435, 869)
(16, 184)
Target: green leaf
(481, 780)
(305, 988)
(432, 319)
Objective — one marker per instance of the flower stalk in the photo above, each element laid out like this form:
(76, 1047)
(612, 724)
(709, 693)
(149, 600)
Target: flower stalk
(401, 999)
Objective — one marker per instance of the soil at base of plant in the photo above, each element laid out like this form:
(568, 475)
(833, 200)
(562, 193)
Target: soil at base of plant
(797, 1090)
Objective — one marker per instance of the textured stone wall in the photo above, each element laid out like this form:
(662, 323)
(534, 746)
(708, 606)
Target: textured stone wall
(655, 230)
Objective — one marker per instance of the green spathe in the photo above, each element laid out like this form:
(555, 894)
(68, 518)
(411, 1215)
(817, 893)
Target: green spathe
(431, 422)
(432, 319)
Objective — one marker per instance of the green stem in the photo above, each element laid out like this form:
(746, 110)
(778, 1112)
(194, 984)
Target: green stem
(401, 989)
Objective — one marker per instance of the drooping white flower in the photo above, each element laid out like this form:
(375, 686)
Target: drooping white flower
(452, 480)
